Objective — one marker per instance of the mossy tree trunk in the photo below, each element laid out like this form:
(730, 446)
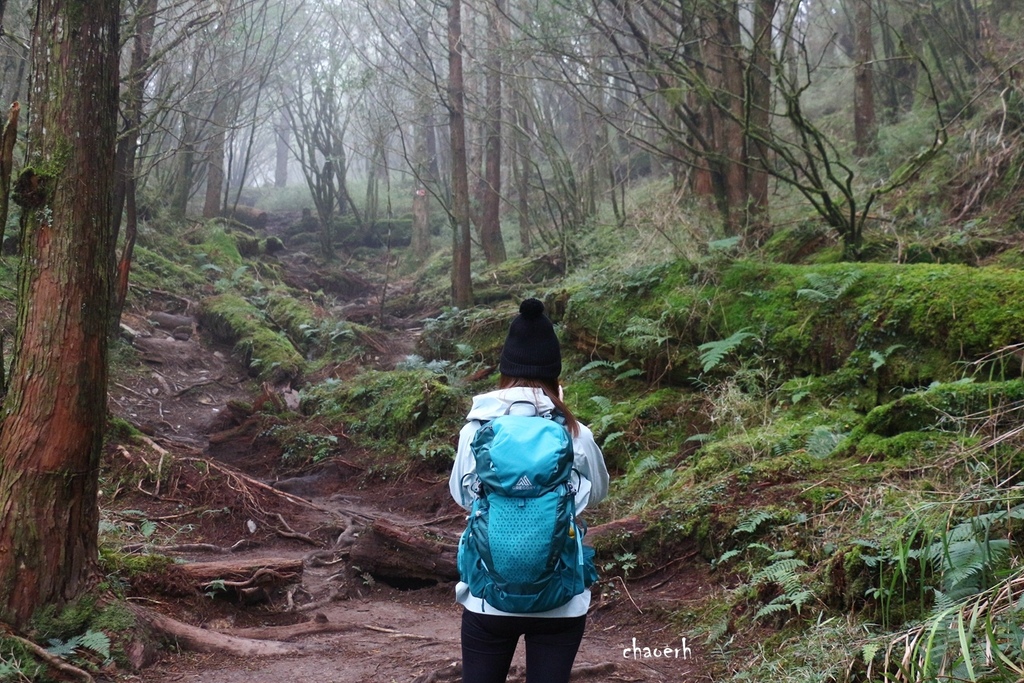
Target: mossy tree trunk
(52, 431)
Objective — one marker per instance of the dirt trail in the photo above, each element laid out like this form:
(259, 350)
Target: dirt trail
(182, 394)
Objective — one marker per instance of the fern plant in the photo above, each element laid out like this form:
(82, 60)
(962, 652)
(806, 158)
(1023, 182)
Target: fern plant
(753, 521)
(779, 573)
(625, 374)
(648, 340)
(828, 287)
(967, 556)
(712, 353)
(94, 643)
(975, 639)
(782, 573)
(770, 569)
(602, 427)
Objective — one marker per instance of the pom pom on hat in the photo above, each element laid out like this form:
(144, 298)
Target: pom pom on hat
(531, 348)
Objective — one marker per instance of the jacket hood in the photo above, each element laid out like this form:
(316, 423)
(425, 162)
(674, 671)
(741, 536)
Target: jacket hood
(496, 403)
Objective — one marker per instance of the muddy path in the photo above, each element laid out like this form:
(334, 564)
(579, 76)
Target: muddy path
(345, 624)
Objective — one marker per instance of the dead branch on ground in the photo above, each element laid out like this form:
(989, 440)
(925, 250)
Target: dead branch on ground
(52, 660)
(202, 640)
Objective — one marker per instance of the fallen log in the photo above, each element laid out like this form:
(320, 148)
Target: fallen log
(265, 572)
(201, 640)
(247, 216)
(387, 551)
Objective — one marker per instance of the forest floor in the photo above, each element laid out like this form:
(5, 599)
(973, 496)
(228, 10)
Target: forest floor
(185, 394)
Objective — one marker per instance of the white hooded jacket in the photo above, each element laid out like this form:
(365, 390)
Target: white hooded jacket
(588, 461)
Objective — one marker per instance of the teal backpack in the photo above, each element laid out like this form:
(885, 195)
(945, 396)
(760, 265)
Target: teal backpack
(522, 550)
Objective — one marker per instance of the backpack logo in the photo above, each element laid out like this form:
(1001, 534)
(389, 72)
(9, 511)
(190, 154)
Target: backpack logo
(524, 484)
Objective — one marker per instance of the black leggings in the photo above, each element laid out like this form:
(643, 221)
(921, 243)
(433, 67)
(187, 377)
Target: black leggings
(489, 642)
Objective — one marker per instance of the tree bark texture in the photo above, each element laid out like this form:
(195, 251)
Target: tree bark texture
(759, 98)
(52, 432)
(462, 284)
(127, 151)
(521, 164)
(490, 221)
(863, 82)
(235, 574)
(215, 145)
(281, 153)
(731, 135)
(7, 142)
(184, 165)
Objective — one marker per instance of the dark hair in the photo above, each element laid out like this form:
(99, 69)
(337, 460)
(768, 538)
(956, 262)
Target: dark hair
(550, 389)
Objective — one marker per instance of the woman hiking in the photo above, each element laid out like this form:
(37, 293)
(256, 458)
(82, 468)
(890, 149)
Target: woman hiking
(502, 569)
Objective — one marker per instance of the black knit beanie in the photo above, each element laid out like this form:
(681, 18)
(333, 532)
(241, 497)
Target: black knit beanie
(531, 348)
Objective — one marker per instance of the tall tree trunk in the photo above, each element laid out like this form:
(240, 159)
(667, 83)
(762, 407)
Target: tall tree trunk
(462, 284)
(521, 169)
(490, 220)
(185, 163)
(215, 164)
(127, 151)
(759, 105)
(51, 435)
(733, 142)
(282, 154)
(420, 198)
(215, 144)
(7, 142)
(521, 161)
(863, 82)
(722, 116)
(371, 207)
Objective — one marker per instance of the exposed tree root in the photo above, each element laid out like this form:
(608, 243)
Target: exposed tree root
(245, 484)
(201, 640)
(242, 544)
(592, 671)
(334, 595)
(284, 633)
(449, 674)
(288, 532)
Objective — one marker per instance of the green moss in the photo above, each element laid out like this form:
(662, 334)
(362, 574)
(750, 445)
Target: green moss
(514, 279)
(152, 270)
(906, 447)
(480, 331)
(797, 244)
(268, 354)
(63, 623)
(391, 407)
(84, 614)
(819, 496)
(219, 247)
(297, 318)
(120, 430)
(130, 564)
(882, 325)
(938, 407)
